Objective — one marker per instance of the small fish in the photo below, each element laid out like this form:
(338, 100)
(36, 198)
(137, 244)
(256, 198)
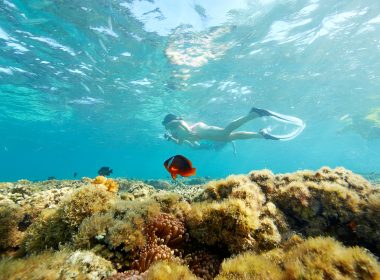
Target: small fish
(105, 171)
(179, 165)
(51, 178)
(75, 174)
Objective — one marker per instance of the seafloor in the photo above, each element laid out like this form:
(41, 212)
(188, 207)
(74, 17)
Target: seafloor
(304, 225)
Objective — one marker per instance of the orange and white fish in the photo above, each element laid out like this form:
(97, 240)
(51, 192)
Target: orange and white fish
(179, 165)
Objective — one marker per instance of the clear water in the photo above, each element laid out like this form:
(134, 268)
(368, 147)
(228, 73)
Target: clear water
(85, 84)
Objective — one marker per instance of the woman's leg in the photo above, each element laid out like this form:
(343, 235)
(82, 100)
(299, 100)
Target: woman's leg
(240, 135)
(239, 122)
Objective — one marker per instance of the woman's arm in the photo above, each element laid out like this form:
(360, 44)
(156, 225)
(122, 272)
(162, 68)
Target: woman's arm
(180, 125)
(169, 137)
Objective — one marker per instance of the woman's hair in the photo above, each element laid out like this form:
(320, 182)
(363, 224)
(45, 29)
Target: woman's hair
(170, 117)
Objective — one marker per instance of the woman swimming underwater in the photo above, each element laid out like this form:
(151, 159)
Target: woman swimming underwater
(181, 132)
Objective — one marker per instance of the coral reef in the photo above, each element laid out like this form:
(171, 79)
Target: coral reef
(327, 202)
(240, 227)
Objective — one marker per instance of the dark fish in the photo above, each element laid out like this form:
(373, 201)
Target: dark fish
(105, 171)
(179, 165)
(75, 174)
(51, 178)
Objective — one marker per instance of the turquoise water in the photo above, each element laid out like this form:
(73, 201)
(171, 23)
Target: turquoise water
(85, 84)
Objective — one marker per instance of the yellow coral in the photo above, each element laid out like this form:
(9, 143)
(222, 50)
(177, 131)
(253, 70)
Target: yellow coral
(109, 183)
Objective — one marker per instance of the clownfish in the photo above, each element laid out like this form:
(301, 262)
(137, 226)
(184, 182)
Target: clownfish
(179, 165)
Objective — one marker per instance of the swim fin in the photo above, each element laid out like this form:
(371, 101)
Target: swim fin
(260, 112)
(264, 132)
(266, 113)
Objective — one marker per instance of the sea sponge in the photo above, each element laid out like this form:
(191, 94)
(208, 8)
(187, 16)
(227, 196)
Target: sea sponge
(171, 203)
(38, 201)
(58, 265)
(116, 239)
(92, 229)
(137, 188)
(221, 189)
(250, 266)
(86, 265)
(128, 275)
(145, 208)
(85, 202)
(228, 224)
(127, 233)
(326, 202)
(267, 234)
(10, 216)
(325, 258)
(110, 184)
(366, 226)
(47, 232)
(165, 270)
(237, 186)
(265, 179)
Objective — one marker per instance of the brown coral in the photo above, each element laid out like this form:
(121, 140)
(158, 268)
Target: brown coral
(150, 253)
(162, 231)
(168, 229)
(203, 264)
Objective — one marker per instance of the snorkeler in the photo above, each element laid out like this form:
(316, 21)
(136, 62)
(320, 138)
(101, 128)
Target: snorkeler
(181, 132)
